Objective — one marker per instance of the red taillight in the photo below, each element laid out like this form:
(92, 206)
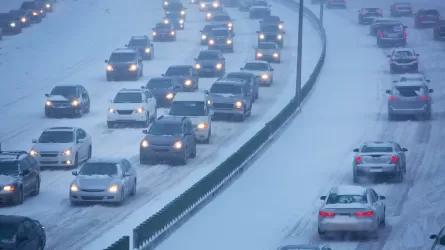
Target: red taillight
(414, 59)
(392, 98)
(425, 97)
(393, 59)
(374, 25)
(397, 8)
(381, 34)
(358, 159)
(438, 18)
(363, 14)
(404, 33)
(326, 214)
(410, 7)
(380, 14)
(364, 214)
(438, 27)
(394, 159)
(420, 18)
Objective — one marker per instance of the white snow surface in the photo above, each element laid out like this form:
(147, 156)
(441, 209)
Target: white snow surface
(69, 47)
(276, 200)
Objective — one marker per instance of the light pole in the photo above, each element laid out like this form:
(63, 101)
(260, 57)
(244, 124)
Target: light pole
(299, 54)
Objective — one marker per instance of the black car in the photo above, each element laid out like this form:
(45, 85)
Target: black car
(221, 39)
(205, 32)
(10, 24)
(210, 63)
(47, 4)
(67, 100)
(271, 33)
(164, 32)
(257, 12)
(439, 30)
(377, 22)
(20, 177)
(186, 75)
(124, 63)
(244, 5)
(143, 45)
(426, 18)
(176, 19)
(212, 11)
(21, 233)
(391, 34)
(24, 16)
(276, 20)
(35, 7)
(246, 76)
(164, 89)
(401, 9)
(366, 15)
(176, 7)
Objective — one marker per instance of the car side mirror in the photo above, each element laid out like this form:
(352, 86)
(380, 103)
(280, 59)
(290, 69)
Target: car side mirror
(417, 54)
(430, 90)
(323, 197)
(427, 80)
(187, 133)
(140, 60)
(145, 131)
(166, 112)
(258, 32)
(162, 74)
(34, 141)
(74, 173)
(382, 197)
(211, 112)
(271, 69)
(355, 150)
(404, 150)
(80, 140)
(106, 61)
(126, 45)
(194, 59)
(206, 92)
(241, 68)
(47, 95)
(433, 236)
(25, 172)
(388, 91)
(405, 26)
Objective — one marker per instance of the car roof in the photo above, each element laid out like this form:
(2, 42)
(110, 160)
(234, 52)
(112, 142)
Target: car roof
(139, 37)
(125, 90)
(235, 82)
(104, 160)
(348, 189)
(379, 144)
(190, 96)
(268, 43)
(124, 50)
(298, 246)
(221, 13)
(410, 84)
(210, 51)
(171, 119)
(403, 49)
(12, 219)
(181, 66)
(258, 7)
(66, 85)
(61, 129)
(412, 75)
(257, 61)
(220, 29)
(370, 8)
(239, 73)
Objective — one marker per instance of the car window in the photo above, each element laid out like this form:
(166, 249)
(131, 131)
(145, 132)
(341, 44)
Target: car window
(159, 128)
(377, 149)
(99, 168)
(24, 165)
(83, 134)
(392, 28)
(430, 12)
(21, 229)
(398, 148)
(56, 137)
(405, 53)
(375, 195)
(137, 42)
(411, 91)
(188, 127)
(125, 167)
(148, 95)
(188, 108)
(128, 165)
(416, 79)
(256, 66)
(66, 91)
(225, 89)
(208, 56)
(178, 71)
(346, 199)
(128, 97)
(8, 232)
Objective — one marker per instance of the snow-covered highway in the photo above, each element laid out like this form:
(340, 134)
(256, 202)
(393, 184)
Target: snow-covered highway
(69, 47)
(276, 200)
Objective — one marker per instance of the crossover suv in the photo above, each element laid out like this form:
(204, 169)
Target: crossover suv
(124, 63)
(67, 100)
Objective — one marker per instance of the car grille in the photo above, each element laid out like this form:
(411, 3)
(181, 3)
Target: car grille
(48, 155)
(161, 150)
(93, 190)
(60, 103)
(223, 105)
(92, 198)
(49, 162)
(403, 8)
(208, 66)
(404, 60)
(220, 41)
(271, 37)
(124, 112)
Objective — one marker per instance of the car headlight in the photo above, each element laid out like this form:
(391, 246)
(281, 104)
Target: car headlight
(35, 13)
(219, 66)
(147, 50)
(238, 104)
(75, 103)
(182, 12)
(197, 66)
(166, 21)
(229, 41)
(276, 55)
(169, 96)
(41, 11)
(67, 152)
(113, 189)
(280, 26)
(181, 21)
(24, 19)
(33, 152)
(215, 5)
(154, 33)
(111, 110)
(209, 15)
(188, 82)
(261, 36)
(211, 42)
(48, 103)
(145, 144)
(172, 33)
(265, 76)
(165, 3)
(140, 110)
(8, 188)
(74, 188)
(203, 5)
(109, 67)
(133, 67)
(12, 24)
(177, 145)
(209, 102)
(203, 37)
(230, 24)
(202, 126)
(259, 55)
(48, 5)
(279, 37)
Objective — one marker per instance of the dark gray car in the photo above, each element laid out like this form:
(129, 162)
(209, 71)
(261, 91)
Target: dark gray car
(186, 75)
(426, 18)
(124, 63)
(336, 4)
(271, 33)
(169, 139)
(221, 39)
(391, 35)
(439, 31)
(409, 98)
(143, 45)
(210, 63)
(403, 59)
(250, 78)
(164, 89)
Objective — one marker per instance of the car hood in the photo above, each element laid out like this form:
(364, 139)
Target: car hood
(7, 180)
(122, 64)
(164, 140)
(220, 22)
(137, 47)
(59, 98)
(161, 92)
(267, 51)
(229, 98)
(126, 106)
(257, 72)
(219, 37)
(207, 62)
(94, 181)
(198, 119)
(57, 147)
(5, 22)
(271, 33)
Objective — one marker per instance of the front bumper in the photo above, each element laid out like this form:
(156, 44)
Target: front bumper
(54, 160)
(268, 58)
(204, 71)
(11, 30)
(231, 111)
(346, 224)
(163, 36)
(160, 153)
(131, 118)
(376, 169)
(264, 82)
(7, 197)
(61, 110)
(88, 196)
(273, 40)
(121, 74)
(410, 111)
(221, 46)
(392, 41)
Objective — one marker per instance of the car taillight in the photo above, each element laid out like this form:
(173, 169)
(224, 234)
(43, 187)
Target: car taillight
(326, 214)
(394, 159)
(393, 59)
(438, 27)
(420, 18)
(438, 17)
(397, 8)
(380, 14)
(363, 14)
(425, 97)
(365, 214)
(392, 98)
(404, 34)
(374, 25)
(410, 7)
(358, 159)
(381, 34)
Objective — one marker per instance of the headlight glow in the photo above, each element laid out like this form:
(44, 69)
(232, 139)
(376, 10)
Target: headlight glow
(230, 24)
(169, 96)
(166, 3)
(177, 145)
(35, 13)
(9, 188)
(33, 152)
(145, 144)
(197, 66)
(41, 11)
(172, 33)
(229, 41)
(219, 66)
(203, 37)
(265, 76)
(259, 55)
(181, 21)
(215, 5)
(182, 12)
(209, 15)
(111, 110)
(74, 188)
(75, 103)
(209, 102)
(154, 33)
(276, 55)
(109, 67)
(188, 83)
(280, 26)
(238, 104)
(202, 126)
(261, 36)
(140, 110)
(67, 152)
(48, 5)
(12, 24)
(24, 20)
(211, 42)
(203, 5)
(147, 50)
(113, 189)
(279, 37)
(166, 21)
(133, 67)
(48, 103)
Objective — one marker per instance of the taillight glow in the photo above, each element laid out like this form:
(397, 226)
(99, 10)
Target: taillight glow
(425, 97)
(438, 27)
(381, 34)
(380, 14)
(326, 214)
(393, 59)
(410, 7)
(420, 18)
(438, 18)
(404, 33)
(358, 159)
(414, 59)
(394, 159)
(374, 25)
(364, 214)
(392, 98)
(397, 8)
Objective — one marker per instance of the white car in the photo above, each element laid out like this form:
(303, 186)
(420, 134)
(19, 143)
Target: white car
(262, 71)
(62, 147)
(415, 77)
(131, 106)
(194, 106)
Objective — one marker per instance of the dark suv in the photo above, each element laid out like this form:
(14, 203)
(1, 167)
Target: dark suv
(34, 6)
(20, 177)
(168, 139)
(67, 100)
(401, 9)
(124, 63)
(439, 30)
(271, 33)
(211, 63)
(10, 24)
(366, 15)
(143, 45)
(164, 89)
(426, 18)
(391, 34)
(21, 233)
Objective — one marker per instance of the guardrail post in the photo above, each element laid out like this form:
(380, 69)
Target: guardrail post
(299, 55)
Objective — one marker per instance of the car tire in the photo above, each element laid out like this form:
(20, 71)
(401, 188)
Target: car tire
(109, 79)
(90, 152)
(383, 221)
(36, 190)
(74, 203)
(19, 198)
(242, 118)
(79, 112)
(87, 109)
(183, 160)
(427, 116)
(134, 188)
(391, 117)
(321, 234)
(193, 154)
(355, 178)
(122, 198)
(155, 116)
(110, 124)
(379, 43)
(40, 246)
(374, 234)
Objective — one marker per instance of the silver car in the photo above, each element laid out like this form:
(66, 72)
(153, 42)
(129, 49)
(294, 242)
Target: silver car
(262, 71)
(351, 209)
(103, 180)
(412, 77)
(409, 98)
(304, 247)
(403, 59)
(268, 51)
(379, 158)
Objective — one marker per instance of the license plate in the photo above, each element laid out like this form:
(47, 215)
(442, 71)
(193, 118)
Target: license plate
(375, 170)
(392, 35)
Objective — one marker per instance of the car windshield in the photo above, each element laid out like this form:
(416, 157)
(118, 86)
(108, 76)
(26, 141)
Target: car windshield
(225, 89)
(56, 137)
(160, 84)
(208, 56)
(239, 76)
(377, 149)
(221, 18)
(405, 53)
(9, 168)
(380, 21)
(411, 79)
(272, 19)
(411, 91)
(267, 46)
(392, 28)
(256, 66)
(99, 168)
(270, 28)
(224, 33)
(65, 91)
(346, 199)
(178, 71)
(137, 42)
(163, 26)
(28, 5)
(5, 16)
(173, 15)
(261, 3)
(187, 108)
(128, 98)
(208, 28)
(7, 232)
(175, 6)
(122, 57)
(159, 128)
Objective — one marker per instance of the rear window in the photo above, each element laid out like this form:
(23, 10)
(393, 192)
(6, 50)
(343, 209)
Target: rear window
(392, 28)
(430, 12)
(346, 199)
(403, 54)
(371, 10)
(374, 149)
(409, 91)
